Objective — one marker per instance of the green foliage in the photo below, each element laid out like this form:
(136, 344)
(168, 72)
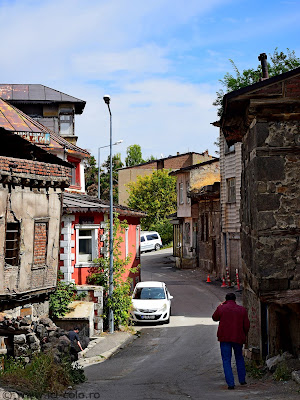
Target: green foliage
(282, 372)
(41, 376)
(156, 195)
(164, 228)
(134, 155)
(64, 294)
(104, 177)
(91, 176)
(99, 275)
(280, 63)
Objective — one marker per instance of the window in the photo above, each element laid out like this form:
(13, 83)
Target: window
(12, 243)
(66, 124)
(87, 243)
(187, 192)
(153, 236)
(40, 243)
(142, 238)
(75, 172)
(231, 190)
(180, 193)
(229, 149)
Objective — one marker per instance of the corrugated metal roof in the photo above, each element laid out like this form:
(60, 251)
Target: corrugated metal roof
(27, 93)
(14, 120)
(77, 202)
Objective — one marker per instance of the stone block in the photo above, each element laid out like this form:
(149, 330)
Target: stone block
(266, 220)
(20, 339)
(269, 169)
(267, 202)
(261, 133)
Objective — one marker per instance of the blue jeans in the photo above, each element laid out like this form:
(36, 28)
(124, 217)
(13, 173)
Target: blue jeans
(226, 352)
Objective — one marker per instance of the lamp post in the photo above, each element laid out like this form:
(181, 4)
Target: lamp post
(102, 147)
(106, 99)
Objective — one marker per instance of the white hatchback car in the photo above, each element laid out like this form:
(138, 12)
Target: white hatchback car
(151, 302)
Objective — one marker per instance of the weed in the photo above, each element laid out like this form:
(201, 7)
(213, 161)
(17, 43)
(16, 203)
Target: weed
(42, 375)
(254, 370)
(282, 372)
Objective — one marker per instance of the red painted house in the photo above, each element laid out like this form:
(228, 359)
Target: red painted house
(83, 237)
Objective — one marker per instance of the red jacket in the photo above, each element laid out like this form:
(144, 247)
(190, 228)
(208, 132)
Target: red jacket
(234, 322)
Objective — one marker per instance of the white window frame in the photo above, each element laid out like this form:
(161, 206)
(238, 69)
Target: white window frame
(66, 119)
(180, 190)
(95, 229)
(137, 242)
(187, 190)
(126, 241)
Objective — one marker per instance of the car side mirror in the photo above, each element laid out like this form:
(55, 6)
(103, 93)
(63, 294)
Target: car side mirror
(171, 297)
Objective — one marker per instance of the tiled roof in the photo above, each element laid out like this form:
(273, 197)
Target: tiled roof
(75, 202)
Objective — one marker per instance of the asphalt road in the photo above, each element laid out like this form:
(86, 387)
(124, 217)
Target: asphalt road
(180, 360)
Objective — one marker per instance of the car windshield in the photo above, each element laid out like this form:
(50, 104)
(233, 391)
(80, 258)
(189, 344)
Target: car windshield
(153, 293)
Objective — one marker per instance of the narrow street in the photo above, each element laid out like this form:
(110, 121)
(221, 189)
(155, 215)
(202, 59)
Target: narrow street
(176, 361)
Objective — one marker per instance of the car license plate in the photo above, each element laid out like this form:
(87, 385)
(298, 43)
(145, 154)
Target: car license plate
(148, 316)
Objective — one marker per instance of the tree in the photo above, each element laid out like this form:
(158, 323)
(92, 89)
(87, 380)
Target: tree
(99, 275)
(280, 63)
(104, 177)
(91, 176)
(134, 155)
(156, 195)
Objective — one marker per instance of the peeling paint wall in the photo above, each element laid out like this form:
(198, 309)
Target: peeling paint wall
(30, 207)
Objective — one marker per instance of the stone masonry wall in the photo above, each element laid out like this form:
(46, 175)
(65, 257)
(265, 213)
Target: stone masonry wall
(270, 206)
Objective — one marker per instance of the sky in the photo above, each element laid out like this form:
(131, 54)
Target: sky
(159, 60)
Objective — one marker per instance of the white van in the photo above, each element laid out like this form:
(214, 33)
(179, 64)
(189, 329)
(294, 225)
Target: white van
(150, 240)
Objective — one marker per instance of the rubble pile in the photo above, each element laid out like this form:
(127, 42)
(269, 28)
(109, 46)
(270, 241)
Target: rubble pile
(26, 337)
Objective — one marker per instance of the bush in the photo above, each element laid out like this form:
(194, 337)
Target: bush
(41, 376)
(165, 229)
(64, 294)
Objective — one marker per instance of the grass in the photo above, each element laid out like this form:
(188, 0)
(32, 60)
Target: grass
(41, 376)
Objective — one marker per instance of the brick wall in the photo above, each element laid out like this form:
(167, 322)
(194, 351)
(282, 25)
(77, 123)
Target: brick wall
(40, 243)
(23, 167)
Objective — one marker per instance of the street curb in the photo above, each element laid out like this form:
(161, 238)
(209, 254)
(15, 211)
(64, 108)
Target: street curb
(86, 362)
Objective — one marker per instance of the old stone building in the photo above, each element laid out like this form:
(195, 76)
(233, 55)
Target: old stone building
(195, 219)
(207, 199)
(31, 186)
(266, 118)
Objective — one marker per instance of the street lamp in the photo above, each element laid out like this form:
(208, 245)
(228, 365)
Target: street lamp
(102, 147)
(106, 99)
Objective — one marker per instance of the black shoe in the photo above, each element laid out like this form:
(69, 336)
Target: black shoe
(243, 383)
(230, 387)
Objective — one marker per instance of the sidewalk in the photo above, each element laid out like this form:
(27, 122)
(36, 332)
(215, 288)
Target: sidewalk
(102, 348)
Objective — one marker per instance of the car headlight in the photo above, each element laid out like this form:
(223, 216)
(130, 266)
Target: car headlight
(164, 308)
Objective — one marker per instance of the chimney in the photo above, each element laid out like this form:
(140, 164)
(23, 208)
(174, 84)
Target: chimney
(264, 66)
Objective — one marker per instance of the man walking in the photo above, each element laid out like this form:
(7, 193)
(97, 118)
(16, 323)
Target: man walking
(233, 328)
(74, 338)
